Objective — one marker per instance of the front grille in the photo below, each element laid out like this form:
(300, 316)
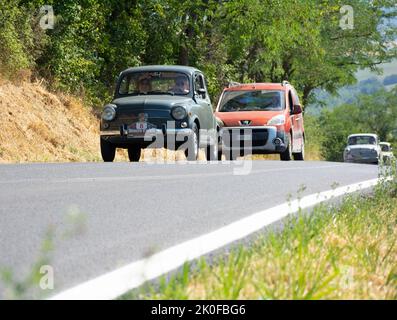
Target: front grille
(363, 153)
(258, 137)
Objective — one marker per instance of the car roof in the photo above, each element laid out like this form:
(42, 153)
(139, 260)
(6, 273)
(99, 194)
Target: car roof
(162, 68)
(257, 86)
(385, 143)
(363, 135)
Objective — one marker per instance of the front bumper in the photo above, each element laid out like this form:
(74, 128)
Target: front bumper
(258, 139)
(161, 136)
(361, 160)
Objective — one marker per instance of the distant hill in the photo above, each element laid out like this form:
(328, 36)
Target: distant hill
(368, 83)
(390, 80)
(346, 95)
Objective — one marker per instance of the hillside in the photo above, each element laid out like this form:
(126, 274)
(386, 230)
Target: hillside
(40, 126)
(37, 125)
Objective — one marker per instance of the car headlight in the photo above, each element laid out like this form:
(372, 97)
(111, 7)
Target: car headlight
(347, 150)
(277, 120)
(109, 112)
(178, 113)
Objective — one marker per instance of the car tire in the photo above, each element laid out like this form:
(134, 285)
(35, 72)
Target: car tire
(108, 151)
(287, 154)
(300, 156)
(192, 151)
(134, 154)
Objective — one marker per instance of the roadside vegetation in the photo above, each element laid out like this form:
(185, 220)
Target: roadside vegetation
(344, 252)
(374, 113)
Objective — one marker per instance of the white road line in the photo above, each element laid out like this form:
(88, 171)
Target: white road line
(118, 282)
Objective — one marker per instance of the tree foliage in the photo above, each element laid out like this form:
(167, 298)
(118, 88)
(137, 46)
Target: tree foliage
(240, 40)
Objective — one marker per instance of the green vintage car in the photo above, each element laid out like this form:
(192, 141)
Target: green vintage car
(160, 106)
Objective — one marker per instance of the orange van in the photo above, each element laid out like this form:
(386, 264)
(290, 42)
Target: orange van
(261, 118)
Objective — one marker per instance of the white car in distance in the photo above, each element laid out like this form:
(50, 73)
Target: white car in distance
(362, 148)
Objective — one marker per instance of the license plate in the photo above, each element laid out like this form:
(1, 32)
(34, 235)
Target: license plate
(141, 126)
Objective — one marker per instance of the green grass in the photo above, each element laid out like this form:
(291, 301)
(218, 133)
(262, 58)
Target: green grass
(344, 252)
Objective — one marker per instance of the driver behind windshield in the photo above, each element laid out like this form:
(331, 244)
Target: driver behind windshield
(181, 85)
(144, 86)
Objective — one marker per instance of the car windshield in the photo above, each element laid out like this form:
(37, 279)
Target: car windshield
(143, 83)
(385, 147)
(361, 140)
(256, 100)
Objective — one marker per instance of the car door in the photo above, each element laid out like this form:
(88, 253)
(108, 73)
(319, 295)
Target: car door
(204, 107)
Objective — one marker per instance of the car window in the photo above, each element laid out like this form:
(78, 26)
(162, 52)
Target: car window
(199, 84)
(361, 140)
(137, 83)
(385, 148)
(255, 100)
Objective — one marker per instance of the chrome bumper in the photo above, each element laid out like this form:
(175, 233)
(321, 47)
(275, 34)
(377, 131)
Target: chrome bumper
(150, 133)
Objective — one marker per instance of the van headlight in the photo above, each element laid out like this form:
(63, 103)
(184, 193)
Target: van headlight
(178, 113)
(277, 120)
(109, 112)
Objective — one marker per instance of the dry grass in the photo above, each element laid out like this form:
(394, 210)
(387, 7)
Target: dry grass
(37, 125)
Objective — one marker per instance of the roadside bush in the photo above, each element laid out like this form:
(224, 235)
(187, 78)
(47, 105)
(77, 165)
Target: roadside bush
(22, 41)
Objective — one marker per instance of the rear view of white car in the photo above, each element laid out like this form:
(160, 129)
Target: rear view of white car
(362, 148)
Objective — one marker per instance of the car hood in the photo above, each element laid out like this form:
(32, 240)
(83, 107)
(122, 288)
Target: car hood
(257, 118)
(151, 102)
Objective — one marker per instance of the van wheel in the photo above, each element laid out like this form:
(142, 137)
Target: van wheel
(300, 156)
(134, 153)
(287, 154)
(108, 151)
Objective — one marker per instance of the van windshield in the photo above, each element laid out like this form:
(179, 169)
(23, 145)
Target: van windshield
(255, 100)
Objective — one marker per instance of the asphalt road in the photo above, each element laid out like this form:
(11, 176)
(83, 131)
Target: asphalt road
(127, 211)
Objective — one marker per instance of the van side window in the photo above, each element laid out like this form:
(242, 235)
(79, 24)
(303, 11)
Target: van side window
(290, 101)
(296, 97)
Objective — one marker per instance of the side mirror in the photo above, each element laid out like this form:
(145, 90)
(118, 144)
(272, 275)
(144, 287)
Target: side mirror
(297, 109)
(202, 92)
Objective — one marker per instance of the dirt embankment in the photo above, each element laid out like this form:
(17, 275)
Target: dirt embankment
(37, 126)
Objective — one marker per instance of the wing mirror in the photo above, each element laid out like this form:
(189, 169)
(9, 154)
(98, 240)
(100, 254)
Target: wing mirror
(202, 92)
(297, 109)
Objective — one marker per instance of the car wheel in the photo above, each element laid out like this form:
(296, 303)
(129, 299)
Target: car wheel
(108, 151)
(134, 153)
(192, 150)
(300, 156)
(287, 154)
